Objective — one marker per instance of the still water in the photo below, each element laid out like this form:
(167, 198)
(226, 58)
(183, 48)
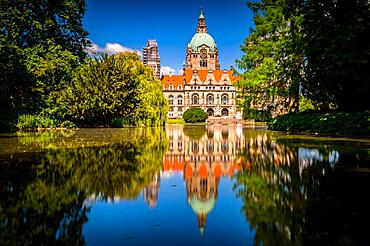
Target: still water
(183, 185)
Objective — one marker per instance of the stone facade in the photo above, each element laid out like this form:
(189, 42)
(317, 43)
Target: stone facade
(202, 83)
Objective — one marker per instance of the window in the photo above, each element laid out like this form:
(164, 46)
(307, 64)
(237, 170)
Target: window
(225, 99)
(170, 99)
(210, 99)
(179, 100)
(195, 99)
(171, 87)
(203, 63)
(179, 87)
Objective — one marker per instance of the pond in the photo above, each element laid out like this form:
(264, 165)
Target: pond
(183, 185)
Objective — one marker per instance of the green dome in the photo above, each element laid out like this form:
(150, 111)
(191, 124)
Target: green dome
(202, 207)
(200, 39)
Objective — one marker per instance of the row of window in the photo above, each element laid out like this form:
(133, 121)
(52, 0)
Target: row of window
(171, 88)
(179, 87)
(210, 99)
(171, 100)
(211, 88)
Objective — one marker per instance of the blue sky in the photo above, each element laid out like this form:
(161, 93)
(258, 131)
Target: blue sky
(114, 25)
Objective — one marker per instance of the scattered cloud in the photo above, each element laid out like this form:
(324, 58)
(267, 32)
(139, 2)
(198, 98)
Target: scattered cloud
(110, 48)
(180, 72)
(167, 70)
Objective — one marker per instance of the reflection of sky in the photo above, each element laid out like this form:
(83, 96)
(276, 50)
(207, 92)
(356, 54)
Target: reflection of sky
(307, 157)
(172, 222)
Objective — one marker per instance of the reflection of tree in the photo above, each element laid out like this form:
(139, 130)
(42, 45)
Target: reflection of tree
(272, 200)
(195, 132)
(44, 195)
(294, 196)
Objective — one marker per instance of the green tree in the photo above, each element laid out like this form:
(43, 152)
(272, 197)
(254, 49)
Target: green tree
(29, 29)
(273, 57)
(109, 87)
(338, 53)
(194, 115)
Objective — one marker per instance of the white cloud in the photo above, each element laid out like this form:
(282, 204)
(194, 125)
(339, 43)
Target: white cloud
(180, 72)
(110, 48)
(167, 70)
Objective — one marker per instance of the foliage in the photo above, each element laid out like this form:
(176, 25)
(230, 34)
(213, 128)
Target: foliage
(116, 86)
(28, 122)
(338, 56)
(257, 115)
(194, 115)
(47, 195)
(26, 24)
(50, 69)
(306, 104)
(273, 58)
(39, 44)
(175, 121)
(357, 123)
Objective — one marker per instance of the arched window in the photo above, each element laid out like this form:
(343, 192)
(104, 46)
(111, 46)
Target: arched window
(224, 112)
(171, 87)
(210, 99)
(179, 100)
(225, 99)
(179, 87)
(195, 99)
(170, 99)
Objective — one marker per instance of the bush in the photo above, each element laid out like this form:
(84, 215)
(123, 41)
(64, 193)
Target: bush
(28, 122)
(257, 115)
(68, 124)
(335, 123)
(195, 115)
(34, 122)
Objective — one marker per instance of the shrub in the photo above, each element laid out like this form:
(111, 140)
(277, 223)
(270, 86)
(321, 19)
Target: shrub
(257, 115)
(27, 122)
(194, 115)
(68, 124)
(334, 123)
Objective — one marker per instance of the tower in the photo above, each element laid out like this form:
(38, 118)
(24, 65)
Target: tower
(151, 57)
(202, 51)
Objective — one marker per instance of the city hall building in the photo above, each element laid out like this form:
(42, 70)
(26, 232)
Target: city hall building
(202, 83)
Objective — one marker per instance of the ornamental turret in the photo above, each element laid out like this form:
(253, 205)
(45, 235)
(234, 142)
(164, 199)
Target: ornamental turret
(202, 51)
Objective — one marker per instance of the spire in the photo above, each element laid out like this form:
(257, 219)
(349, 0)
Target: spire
(202, 27)
(201, 16)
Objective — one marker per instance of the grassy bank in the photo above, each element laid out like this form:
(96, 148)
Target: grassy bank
(335, 123)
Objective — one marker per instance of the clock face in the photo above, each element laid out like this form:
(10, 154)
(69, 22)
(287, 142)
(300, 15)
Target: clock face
(203, 53)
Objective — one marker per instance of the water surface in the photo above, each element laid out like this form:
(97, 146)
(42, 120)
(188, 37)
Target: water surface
(183, 185)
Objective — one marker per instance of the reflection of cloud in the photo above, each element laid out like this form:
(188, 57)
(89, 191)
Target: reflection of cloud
(307, 157)
(110, 48)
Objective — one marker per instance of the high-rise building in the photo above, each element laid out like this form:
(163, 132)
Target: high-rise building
(151, 57)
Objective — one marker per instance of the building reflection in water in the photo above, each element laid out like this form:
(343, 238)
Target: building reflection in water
(203, 155)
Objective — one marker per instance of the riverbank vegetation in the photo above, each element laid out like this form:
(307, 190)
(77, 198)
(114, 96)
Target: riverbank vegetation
(307, 55)
(341, 123)
(49, 80)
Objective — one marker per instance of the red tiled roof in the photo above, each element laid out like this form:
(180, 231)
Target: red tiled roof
(175, 80)
(203, 75)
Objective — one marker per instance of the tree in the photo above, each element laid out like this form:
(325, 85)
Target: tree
(29, 30)
(34, 22)
(337, 48)
(109, 87)
(273, 57)
(194, 115)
